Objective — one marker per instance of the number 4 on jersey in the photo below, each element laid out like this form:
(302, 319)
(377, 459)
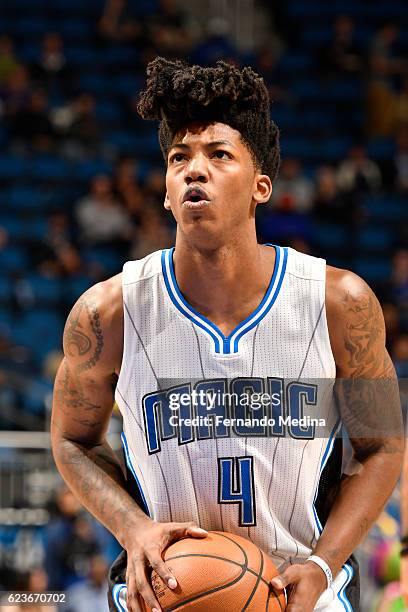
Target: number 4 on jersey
(236, 486)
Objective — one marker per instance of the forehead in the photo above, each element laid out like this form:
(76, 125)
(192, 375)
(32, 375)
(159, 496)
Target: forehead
(199, 133)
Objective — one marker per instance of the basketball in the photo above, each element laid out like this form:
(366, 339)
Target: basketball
(220, 572)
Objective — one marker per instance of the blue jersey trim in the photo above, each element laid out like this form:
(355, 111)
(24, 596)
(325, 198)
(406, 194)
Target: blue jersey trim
(115, 594)
(225, 345)
(132, 469)
(341, 594)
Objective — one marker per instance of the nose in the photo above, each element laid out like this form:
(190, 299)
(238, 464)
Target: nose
(196, 170)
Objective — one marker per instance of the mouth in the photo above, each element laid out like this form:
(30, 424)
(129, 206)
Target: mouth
(195, 198)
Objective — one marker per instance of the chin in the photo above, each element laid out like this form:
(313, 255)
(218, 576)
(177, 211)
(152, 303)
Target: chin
(203, 235)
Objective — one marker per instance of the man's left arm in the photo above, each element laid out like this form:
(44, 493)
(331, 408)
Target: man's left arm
(368, 402)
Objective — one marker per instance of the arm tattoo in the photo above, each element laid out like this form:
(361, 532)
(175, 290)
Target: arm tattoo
(77, 342)
(73, 402)
(368, 398)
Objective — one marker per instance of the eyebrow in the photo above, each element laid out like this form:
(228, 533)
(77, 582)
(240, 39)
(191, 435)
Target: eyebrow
(213, 143)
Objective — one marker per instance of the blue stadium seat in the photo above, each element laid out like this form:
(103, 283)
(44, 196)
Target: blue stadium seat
(86, 170)
(26, 198)
(381, 148)
(76, 29)
(14, 227)
(33, 27)
(375, 239)
(50, 168)
(334, 149)
(108, 111)
(127, 84)
(373, 270)
(108, 258)
(45, 290)
(296, 147)
(76, 287)
(386, 208)
(5, 289)
(296, 61)
(119, 55)
(13, 258)
(330, 236)
(40, 330)
(12, 167)
(80, 57)
(99, 84)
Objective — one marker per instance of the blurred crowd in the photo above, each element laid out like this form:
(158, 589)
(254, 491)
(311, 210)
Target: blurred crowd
(82, 183)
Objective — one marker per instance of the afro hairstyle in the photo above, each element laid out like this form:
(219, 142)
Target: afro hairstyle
(178, 94)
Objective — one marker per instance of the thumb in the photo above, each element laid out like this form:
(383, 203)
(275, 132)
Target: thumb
(289, 576)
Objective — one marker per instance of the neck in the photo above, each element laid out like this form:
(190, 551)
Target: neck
(227, 283)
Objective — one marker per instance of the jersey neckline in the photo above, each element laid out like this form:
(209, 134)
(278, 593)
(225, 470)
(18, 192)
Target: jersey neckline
(225, 345)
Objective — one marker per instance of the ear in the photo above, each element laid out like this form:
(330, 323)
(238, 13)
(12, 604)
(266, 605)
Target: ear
(167, 202)
(262, 189)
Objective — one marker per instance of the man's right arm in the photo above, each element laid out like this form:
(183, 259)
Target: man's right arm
(82, 407)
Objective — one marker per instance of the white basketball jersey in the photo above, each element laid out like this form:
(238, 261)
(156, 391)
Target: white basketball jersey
(195, 449)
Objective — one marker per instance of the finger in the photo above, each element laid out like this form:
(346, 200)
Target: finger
(145, 589)
(163, 571)
(132, 598)
(289, 576)
(182, 530)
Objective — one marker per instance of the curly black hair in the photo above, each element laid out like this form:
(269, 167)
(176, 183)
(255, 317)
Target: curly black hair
(178, 94)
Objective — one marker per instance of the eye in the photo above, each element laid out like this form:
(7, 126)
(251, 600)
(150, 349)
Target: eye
(220, 154)
(177, 157)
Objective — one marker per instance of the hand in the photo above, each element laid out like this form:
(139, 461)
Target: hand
(306, 583)
(144, 550)
(404, 578)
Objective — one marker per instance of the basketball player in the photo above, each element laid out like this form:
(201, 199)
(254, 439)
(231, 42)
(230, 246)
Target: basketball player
(221, 314)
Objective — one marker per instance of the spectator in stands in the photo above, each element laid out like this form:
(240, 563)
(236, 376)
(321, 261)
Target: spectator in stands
(384, 66)
(70, 542)
(31, 126)
(267, 65)
(329, 203)
(343, 55)
(8, 61)
(169, 30)
(57, 255)
(15, 92)
(128, 190)
(292, 191)
(359, 175)
(118, 22)
(399, 281)
(216, 44)
(401, 107)
(400, 355)
(85, 130)
(153, 234)
(35, 581)
(101, 218)
(401, 162)
(52, 71)
(155, 187)
(90, 595)
(392, 323)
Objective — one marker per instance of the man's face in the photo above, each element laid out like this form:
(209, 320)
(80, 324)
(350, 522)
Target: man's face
(212, 184)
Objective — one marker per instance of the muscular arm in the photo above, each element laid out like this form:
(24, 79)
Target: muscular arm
(369, 406)
(82, 407)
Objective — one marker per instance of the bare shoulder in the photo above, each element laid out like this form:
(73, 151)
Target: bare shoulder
(93, 335)
(356, 325)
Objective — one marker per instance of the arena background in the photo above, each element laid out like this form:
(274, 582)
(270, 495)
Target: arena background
(81, 191)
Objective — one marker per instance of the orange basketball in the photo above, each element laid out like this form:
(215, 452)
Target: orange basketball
(222, 571)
